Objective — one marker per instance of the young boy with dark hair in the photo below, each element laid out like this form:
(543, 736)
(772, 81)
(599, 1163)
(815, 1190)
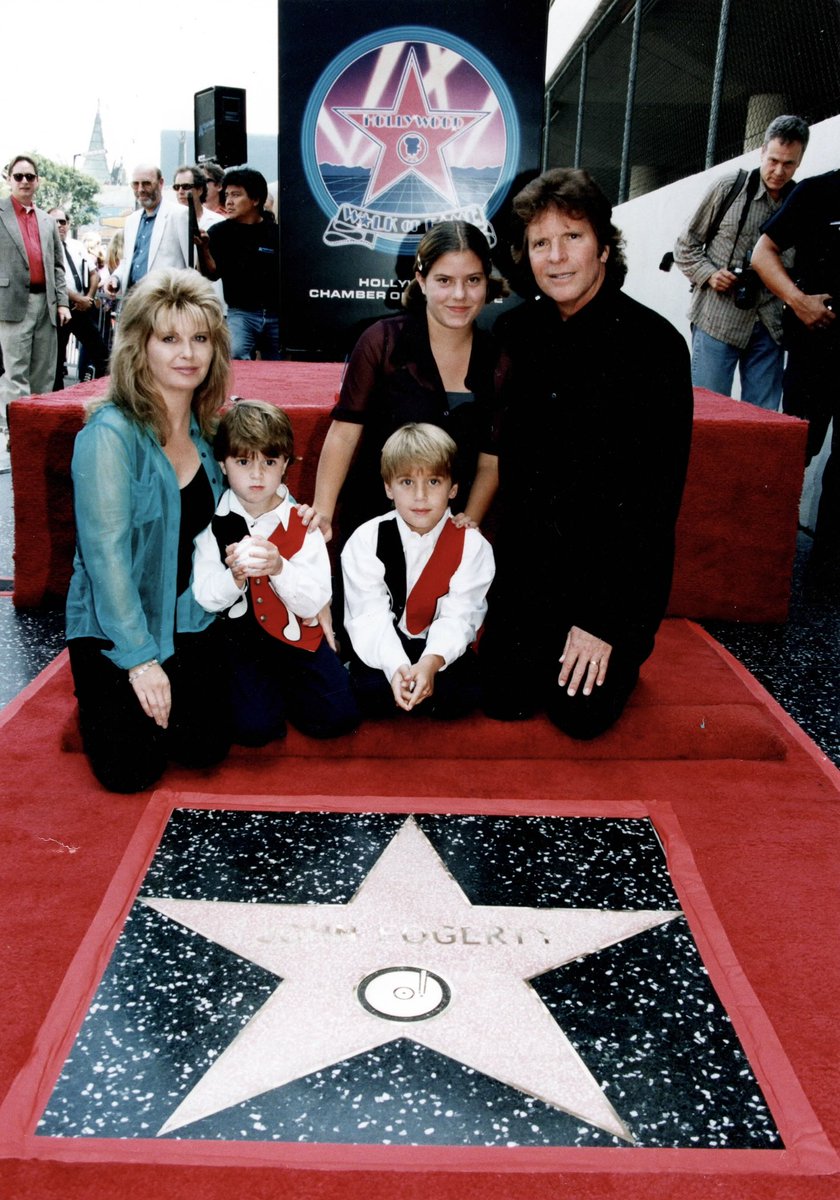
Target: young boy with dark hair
(415, 586)
(258, 565)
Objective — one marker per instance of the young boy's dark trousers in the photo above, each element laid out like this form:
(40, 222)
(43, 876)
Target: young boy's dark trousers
(456, 691)
(272, 682)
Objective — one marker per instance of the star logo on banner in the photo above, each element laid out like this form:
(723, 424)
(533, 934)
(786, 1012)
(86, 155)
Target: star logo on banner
(407, 957)
(411, 136)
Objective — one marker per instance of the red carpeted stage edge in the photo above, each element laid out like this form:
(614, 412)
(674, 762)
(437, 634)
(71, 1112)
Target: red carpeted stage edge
(736, 535)
(745, 806)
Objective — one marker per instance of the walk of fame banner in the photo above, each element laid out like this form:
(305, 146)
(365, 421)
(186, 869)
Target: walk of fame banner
(386, 128)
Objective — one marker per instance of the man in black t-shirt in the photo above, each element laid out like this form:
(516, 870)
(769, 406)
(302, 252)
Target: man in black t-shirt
(244, 252)
(809, 221)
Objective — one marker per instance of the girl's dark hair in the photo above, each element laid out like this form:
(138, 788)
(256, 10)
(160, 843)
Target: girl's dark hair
(447, 238)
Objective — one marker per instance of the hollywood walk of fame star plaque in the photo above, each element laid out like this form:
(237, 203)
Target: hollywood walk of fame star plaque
(447, 980)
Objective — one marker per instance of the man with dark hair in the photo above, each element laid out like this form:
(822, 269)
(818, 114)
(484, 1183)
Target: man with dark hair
(809, 225)
(33, 301)
(214, 176)
(190, 181)
(244, 252)
(734, 320)
(82, 283)
(593, 439)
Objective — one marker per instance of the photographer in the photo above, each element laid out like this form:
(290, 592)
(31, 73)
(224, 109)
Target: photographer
(735, 321)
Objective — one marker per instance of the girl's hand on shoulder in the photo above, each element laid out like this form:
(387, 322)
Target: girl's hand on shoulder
(313, 520)
(462, 521)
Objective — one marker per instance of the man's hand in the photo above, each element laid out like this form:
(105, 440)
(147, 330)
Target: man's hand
(63, 315)
(585, 659)
(722, 280)
(812, 311)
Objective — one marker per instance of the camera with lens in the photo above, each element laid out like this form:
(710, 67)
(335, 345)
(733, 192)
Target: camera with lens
(748, 285)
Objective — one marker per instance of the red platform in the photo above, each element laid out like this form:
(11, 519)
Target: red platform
(736, 534)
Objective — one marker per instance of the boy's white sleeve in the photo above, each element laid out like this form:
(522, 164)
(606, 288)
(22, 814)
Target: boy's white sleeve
(304, 584)
(213, 583)
(367, 604)
(462, 610)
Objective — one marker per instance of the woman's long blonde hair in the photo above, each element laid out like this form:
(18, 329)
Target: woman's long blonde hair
(149, 309)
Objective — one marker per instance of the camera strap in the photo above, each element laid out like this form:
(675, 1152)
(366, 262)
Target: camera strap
(725, 205)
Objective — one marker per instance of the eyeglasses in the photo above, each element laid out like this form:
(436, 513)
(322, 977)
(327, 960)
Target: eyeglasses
(184, 187)
(61, 220)
(19, 176)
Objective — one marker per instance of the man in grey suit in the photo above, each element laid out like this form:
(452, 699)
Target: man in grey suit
(156, 234)
(33, 293)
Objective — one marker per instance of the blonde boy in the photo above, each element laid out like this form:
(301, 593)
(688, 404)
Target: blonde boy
(415, 585)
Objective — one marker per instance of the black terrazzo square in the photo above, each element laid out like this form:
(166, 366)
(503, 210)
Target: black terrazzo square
(405, 1015)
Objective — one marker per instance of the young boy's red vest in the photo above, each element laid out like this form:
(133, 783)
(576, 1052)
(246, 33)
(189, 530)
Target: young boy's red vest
(434, 579)
(266, 606)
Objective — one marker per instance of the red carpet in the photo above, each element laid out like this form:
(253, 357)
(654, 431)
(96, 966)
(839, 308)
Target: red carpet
(747, 808)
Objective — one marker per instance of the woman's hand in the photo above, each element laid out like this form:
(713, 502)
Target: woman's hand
(152, 688)
(585, 659)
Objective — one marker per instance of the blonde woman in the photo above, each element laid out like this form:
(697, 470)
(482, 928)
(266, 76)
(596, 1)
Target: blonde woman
(145, 482)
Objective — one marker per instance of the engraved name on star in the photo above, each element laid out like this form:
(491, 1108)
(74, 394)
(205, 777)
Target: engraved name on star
(411, 136)
(407, 957)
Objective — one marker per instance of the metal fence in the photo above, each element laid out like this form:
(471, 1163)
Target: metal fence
(661, 89)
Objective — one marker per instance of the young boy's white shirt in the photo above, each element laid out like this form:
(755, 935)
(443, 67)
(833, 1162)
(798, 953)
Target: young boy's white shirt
(368, 618)
(304, 584)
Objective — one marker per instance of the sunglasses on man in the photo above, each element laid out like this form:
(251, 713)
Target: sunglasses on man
(19, 176)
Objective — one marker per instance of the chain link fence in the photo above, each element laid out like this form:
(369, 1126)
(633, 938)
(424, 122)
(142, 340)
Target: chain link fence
(691, 85)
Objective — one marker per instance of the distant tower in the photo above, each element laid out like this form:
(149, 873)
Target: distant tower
(95, 163)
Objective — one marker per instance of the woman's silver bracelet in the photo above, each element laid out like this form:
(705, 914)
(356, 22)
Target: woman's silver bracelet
(136, 672)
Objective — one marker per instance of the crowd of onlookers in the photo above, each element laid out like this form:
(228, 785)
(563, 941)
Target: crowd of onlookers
(92, 277)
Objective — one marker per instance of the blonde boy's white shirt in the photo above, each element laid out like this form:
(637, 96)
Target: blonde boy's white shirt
(368, 619)
(303, 585)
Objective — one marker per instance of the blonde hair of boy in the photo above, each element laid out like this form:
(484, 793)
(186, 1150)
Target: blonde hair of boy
(418, 446)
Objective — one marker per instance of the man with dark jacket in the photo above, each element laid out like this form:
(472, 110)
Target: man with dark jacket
(593, 444)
